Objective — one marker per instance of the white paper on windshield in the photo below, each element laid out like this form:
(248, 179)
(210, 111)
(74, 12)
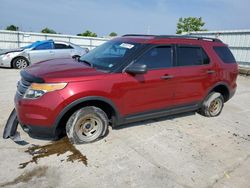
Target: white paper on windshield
(126, 45)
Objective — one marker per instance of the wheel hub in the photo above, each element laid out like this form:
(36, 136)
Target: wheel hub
(21, 63)
(215, 106)
(88, 126)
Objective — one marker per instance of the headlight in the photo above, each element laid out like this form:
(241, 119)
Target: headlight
(37, 90)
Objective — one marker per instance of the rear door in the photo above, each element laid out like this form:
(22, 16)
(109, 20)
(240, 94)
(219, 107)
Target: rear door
(42, 52)
(153, 90)
(195, 73)
(62, 50)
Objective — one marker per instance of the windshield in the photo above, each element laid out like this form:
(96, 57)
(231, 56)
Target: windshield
(110, 55)
(29, 46)
(33, 45)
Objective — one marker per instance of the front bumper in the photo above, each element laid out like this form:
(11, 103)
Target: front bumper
(5, 61)
(37, 117)
(40, 131)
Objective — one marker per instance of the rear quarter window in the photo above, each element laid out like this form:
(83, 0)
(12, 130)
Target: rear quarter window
(225, 54)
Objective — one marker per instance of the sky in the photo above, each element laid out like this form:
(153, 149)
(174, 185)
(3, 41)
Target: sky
(122, 16)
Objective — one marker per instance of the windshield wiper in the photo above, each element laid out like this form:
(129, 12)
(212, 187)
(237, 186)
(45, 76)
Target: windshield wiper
(86, 62)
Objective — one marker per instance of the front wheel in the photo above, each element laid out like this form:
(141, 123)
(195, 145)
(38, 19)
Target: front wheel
(212, 105)
(87, 125)
(20, 63)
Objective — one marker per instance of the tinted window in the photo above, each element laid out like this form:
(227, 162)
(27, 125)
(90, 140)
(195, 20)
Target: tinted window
(225, 54)
(188, 56)
(62, 46)
(205, 57)
(159, 57)
(44, 46)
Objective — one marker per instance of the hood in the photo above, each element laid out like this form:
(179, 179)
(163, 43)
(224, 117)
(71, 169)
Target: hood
(10, 50)
(63, 70)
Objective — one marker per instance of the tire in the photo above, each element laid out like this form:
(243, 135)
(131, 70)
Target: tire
(87, 125)
(20, 63)
(212, 105)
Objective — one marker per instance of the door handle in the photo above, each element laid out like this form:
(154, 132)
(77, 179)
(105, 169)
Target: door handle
(166, 77)
(210, 71)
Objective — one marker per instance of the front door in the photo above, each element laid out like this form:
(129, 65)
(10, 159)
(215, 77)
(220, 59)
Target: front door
(154, 89)
(42, 52)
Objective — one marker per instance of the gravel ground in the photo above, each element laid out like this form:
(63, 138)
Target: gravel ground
(187, 150)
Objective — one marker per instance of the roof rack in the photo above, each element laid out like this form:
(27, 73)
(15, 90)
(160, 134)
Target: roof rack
(175, 36)
(138, 35)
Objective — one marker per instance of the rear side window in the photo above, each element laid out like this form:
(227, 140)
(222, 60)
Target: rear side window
(225, 54)
(191, 55)
(158, 57)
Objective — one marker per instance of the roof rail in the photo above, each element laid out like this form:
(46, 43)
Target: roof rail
(176, 36)
(138, 35)
(187, 37)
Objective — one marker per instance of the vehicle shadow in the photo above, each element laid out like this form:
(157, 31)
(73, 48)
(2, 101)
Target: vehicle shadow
(155, 120)
(6, 68)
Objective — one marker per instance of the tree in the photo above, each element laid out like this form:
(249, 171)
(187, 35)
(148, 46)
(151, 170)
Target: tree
(113, 34)
(12, 28)
(87, 33)
(48, 30)
(190, 24)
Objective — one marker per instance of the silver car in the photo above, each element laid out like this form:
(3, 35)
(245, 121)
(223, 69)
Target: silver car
(39, 51)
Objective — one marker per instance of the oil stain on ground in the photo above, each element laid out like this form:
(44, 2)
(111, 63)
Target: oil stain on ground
(27, 176)
(57, 147)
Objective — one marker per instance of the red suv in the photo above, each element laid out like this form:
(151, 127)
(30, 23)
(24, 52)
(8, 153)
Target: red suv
(127, 79)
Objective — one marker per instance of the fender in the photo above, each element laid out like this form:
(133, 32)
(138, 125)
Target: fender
(19, 56)
(85, 99)
(215, 85)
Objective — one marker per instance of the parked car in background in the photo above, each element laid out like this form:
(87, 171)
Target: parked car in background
(40, 51)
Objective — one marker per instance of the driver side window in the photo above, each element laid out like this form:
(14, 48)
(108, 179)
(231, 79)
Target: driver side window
(157, 58)
(44, 46)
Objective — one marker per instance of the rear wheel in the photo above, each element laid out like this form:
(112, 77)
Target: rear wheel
(212, 105)
(20, 63)
(87, 125)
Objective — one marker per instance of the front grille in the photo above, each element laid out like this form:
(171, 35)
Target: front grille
(22, 86)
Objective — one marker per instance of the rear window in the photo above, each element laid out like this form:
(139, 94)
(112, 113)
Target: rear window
(225, 54)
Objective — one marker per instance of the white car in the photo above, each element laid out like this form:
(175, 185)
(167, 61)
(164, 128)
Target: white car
(40, 51)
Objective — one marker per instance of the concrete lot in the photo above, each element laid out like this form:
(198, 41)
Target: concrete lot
(179, 151)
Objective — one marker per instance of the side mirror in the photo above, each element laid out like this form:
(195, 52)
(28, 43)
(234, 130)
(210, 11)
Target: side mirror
(137, 69)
